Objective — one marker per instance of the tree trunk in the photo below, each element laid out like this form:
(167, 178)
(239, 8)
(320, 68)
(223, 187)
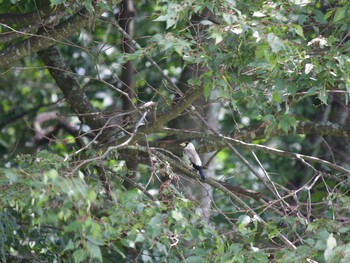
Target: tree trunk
(126, 21)
(201, 192)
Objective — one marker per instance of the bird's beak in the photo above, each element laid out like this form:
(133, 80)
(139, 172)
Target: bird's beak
(183, 144)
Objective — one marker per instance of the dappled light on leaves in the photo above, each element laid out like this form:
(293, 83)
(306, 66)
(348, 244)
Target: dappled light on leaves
(97, 96)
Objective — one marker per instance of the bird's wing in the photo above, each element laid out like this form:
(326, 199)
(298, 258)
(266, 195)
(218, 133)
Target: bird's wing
(193, 156)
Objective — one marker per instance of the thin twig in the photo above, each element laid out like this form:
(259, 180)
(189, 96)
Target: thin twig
(116, 147)
(233, 196)
(132, 182)
(222, 140)
(273, 189)
(217, 185)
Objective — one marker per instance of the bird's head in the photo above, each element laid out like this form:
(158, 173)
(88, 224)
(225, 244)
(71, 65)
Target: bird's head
(184, 144)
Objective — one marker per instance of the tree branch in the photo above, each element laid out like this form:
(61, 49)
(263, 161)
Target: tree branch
(18, 113)
(216, 141)
(28, 18)
(216, 184)
(70, 87)
(45, 133)
(25, 31)
(311, 128)
(138, 47)
(182, 104)
(46, 38)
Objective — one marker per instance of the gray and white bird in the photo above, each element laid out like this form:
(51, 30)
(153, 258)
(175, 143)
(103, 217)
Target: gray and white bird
(191, 156)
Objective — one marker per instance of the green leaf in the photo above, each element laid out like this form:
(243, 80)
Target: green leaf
(323, 96)
(275, 43)
(95, 251)
(4, 143)
(260, 51)
(69, 246)
(236, 248)
(329, 13)
(194, 82)
(73, 227)
(206, 92)
(88, 5)
(317, 196)
(217, 36)
(127, 243)
(57, 2)
(339, 14)
(194, 259)
(177, 215)
(91, 196)
(119, 250)
(96, 241)
(79, 255)
(331, 242)
(276, 97)
(157, 219)
(162, 248)
(323, 234)
(50, 176)
(286, 122)
(10, 175)
(170, 20)
(156, 230)
(298, 30)
(272, 230)
(311, 92)
(162, 18)
(104, 6)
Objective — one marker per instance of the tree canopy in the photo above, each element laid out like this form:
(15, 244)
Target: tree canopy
(96, 97)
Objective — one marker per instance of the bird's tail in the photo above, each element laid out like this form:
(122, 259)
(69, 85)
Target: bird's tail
(200, 170)
(201, 173)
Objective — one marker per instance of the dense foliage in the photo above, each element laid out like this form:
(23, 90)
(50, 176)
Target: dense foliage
(97, 95)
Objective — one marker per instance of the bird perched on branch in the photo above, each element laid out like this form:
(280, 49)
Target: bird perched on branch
(191, 156)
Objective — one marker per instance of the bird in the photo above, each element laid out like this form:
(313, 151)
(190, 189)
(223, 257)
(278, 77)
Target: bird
(190, 154)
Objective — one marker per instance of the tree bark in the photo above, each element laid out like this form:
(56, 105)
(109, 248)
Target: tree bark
(126, 21)
(194, 189)
(70, 87)
(47, 38)
(24, 19)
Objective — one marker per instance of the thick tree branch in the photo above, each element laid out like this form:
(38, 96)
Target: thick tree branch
(24, 19)
(47, 38)
(216, 184)
(45, 133)
(246, 134)
(185, 101)
(18, 113)
(126, 20)
(161, 120)
(22, 258)
(309, 128)
(215, 141)
(70, 87)
(29, 29)
(180, 168)
(189, 97)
